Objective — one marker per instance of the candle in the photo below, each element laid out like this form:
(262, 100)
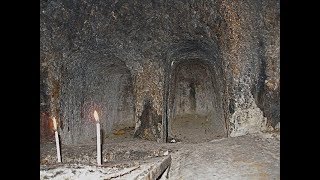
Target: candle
(57, 138)
(96, 117)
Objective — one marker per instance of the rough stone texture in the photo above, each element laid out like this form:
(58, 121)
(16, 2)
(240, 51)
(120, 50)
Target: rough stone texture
(114, 56)
(150, 169)
(197, 114)
(149, 94)
(247, 157)
(95, 82)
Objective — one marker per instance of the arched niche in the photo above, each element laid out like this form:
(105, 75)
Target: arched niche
(195, 88)
(195, 106)
(102, 84)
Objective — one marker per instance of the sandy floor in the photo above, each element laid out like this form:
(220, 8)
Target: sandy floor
(246, 157)
(195, 128)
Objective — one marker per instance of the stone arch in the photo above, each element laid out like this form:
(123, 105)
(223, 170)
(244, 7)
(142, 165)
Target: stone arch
(195, 110)
(96, 83)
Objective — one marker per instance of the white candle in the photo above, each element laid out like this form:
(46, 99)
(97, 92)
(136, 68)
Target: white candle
(96, 117)
(57, 139)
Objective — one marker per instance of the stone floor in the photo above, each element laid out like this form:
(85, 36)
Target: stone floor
(246, 157)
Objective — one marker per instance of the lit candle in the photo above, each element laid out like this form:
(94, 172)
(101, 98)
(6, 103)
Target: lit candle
(57, 139)
(96, 117)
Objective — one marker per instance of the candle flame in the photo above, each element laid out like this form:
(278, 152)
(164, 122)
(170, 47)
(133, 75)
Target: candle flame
(96, 116)
(54, 123)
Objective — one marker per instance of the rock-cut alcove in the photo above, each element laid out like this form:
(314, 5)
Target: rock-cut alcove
(212, 60)
(196, 93)
(101, 85)
(196, 116)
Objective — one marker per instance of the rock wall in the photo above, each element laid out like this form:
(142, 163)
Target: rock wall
(119, 56)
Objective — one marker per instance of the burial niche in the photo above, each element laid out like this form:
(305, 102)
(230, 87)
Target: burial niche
(104, 86)
(195, 106)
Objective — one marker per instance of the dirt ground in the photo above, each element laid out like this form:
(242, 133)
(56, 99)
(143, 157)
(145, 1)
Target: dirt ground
(246, 157)
(194, 128)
